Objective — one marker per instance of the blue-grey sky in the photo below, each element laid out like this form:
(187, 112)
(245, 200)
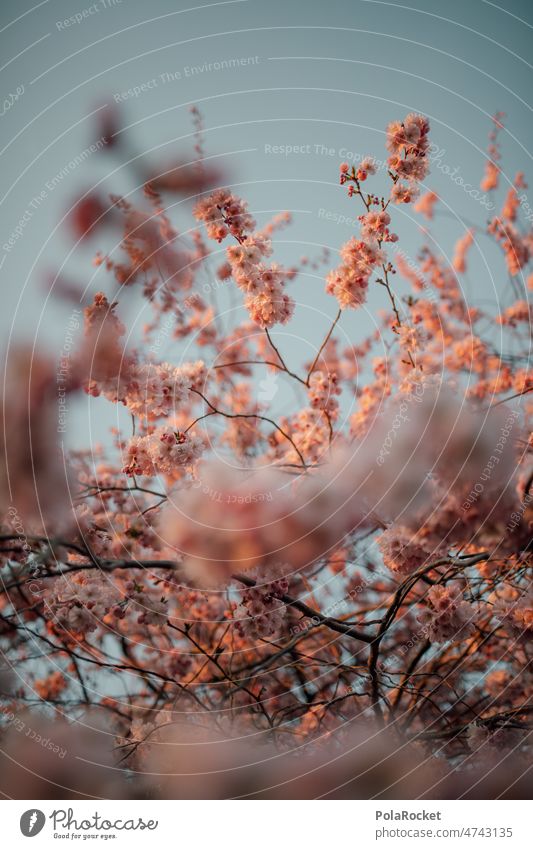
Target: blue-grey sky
(314, 83)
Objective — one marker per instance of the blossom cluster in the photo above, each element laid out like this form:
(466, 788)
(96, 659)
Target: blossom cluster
(148, 389)
(162, 452)
(323, 391)
(263, 610)
(265, 299)
(225, 214)
(81, 605)
(401, 551)
(349, 281)
(408, 144)
(448, 616)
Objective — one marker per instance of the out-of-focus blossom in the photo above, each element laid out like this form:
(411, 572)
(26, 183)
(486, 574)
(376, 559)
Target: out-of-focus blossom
(491, 177)
(232, 521)
(34, 478)
(41, 758)
(462, 247)
(425, 205)
(87, 215)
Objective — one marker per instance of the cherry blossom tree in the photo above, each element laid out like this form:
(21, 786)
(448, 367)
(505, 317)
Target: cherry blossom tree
(298, 601)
